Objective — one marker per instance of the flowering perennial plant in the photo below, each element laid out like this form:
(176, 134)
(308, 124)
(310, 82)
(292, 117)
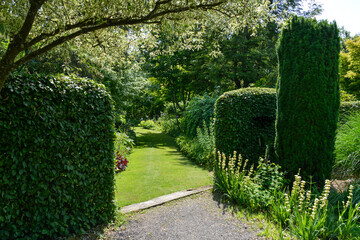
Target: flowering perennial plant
(248, 187)
(120, 162)
(306, 214)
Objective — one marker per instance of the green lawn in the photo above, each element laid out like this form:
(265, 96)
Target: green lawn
(156, 168)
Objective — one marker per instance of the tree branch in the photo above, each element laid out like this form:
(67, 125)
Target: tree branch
(89, 26)
(17, 44)
(145, 19)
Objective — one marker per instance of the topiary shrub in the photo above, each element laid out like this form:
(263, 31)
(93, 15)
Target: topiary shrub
(200, 109)
(244, 122)
(308, 98)
(57, 157)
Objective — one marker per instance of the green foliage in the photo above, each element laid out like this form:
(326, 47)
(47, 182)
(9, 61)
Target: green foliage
(57, 157)
(200, 148)
(123, 143)
(347, 108)
(347, 146)
(249, 189)
(350, 66)
(247, 58)
(312, 215)
(346, 97)
(199, 110)
(169, 126)
(169, 123)
(147, 124)
(244, 122)
(308, 98)
(304, 212)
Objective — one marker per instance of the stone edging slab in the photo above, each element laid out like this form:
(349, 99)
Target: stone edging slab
(163, 199)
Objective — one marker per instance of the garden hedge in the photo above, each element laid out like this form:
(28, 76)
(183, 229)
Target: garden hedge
(57, 157)
(244, 122)
(308, 98)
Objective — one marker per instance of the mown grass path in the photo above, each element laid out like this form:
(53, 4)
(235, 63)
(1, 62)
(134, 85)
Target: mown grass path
(156, 168)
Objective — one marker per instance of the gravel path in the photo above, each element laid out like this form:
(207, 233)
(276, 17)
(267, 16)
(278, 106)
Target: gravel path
(192, 218)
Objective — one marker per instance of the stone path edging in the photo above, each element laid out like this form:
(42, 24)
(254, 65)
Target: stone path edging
(164, 199)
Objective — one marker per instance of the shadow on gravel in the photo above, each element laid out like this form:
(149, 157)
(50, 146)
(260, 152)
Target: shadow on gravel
(222, 203)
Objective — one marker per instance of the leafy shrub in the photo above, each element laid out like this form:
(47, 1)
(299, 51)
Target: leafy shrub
(200, 109)
(310, 215)
(308, 98)
(346, 97)
(244, 122)
(347, 108)
(147, 124)
(57, 156)
(201, 148)
(169, 125)
(171, 111)
(120, 162)
(123, 143)
(349, 66)
(347, 146)
(303, 211)
(120, 121)
(252, 189)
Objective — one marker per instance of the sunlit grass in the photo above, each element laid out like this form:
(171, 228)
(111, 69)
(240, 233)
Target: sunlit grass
(156, 168)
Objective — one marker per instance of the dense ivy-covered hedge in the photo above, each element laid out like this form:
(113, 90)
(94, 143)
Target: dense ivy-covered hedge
(244, 122)
(347, 108)
(308, 98)
(57, 157)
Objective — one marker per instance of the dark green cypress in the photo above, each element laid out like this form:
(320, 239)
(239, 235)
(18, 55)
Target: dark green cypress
(308, 98)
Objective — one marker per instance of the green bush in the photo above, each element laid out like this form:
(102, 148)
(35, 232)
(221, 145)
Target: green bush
(244, 122)
(346, 108)
(123, 143)
(57, 157)
(308, 98)
(251, 189)
(347, 146)
(147, 124)
(169, 126)
(200, 109)
(200, 148)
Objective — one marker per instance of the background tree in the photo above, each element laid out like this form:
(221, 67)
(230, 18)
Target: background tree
(350, 66)
(177, 79)
(33, 27)
(308, 98)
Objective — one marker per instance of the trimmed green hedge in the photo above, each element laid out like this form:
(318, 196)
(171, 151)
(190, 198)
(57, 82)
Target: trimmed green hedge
(57, 157)
(347, 108)
(308, 98)
(244, 122)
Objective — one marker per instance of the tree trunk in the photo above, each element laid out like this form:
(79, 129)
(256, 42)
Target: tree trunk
(5, 70)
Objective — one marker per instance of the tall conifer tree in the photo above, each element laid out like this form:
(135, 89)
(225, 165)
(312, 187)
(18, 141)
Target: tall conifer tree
(307, 98)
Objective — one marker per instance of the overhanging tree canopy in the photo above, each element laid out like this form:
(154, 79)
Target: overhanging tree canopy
(32, 27)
